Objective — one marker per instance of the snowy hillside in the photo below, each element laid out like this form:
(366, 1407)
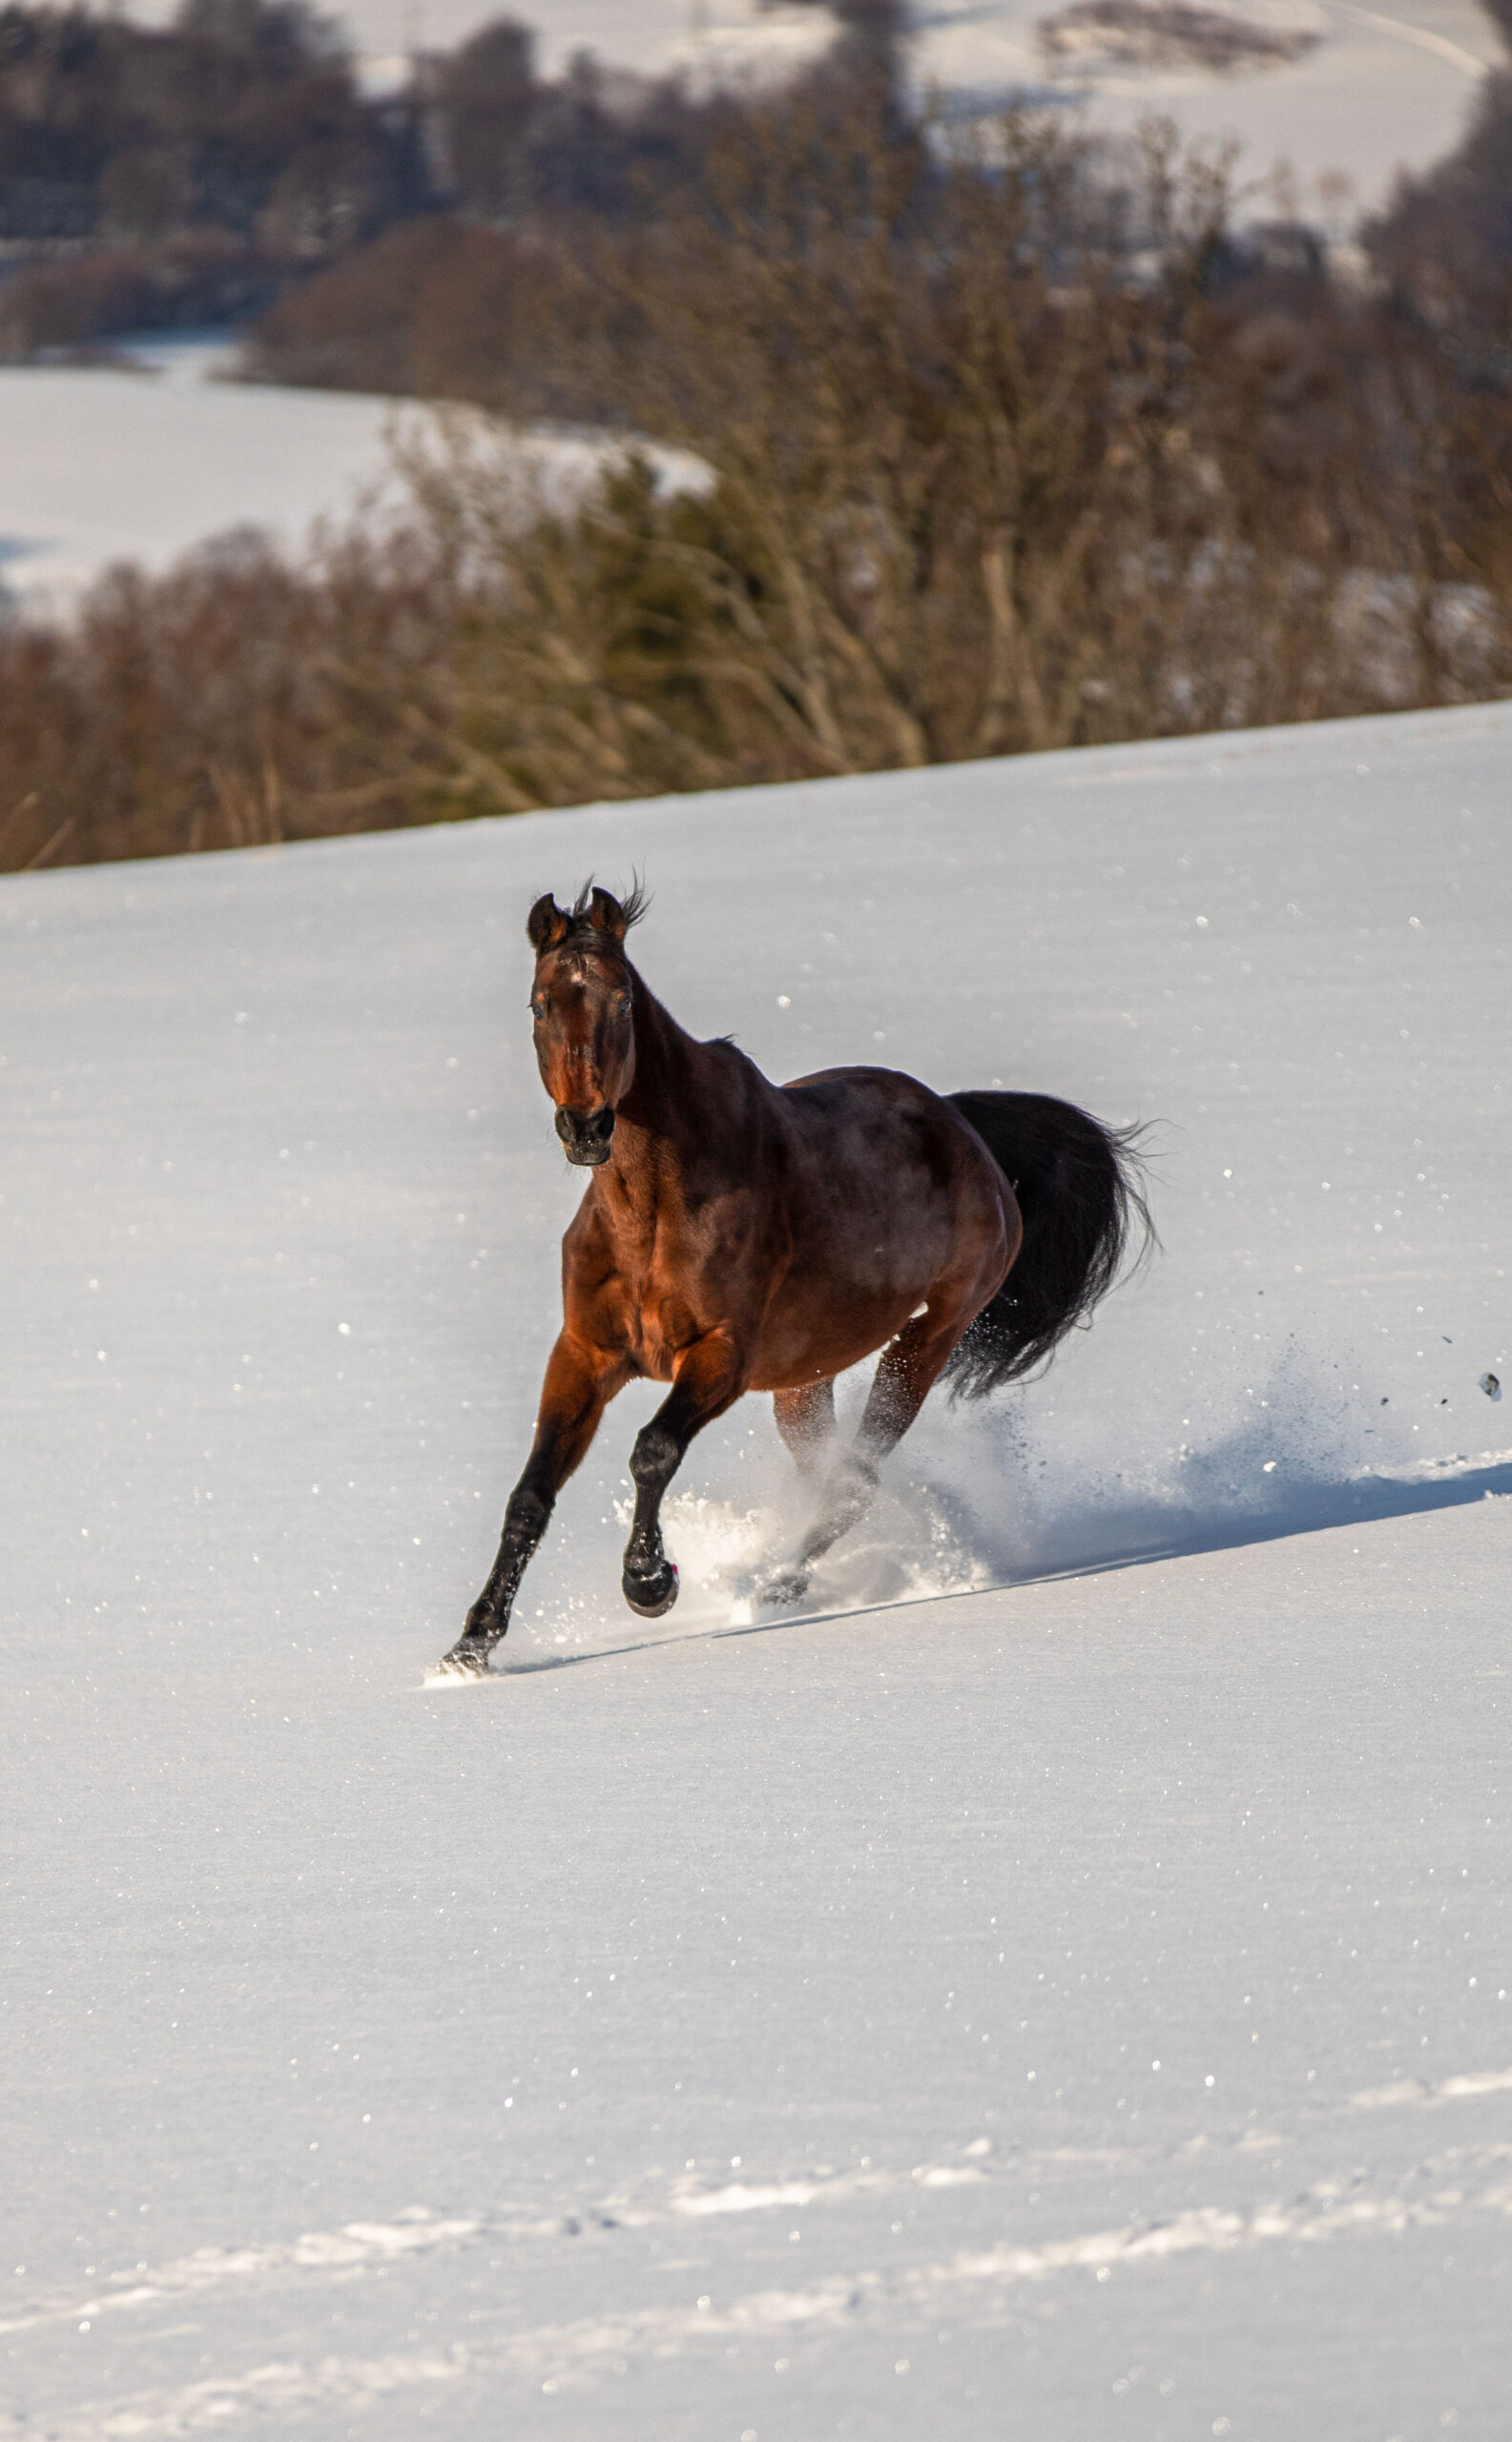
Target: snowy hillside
(99, 464)
(145, 461)
(1060, 1986)
(1376, 93)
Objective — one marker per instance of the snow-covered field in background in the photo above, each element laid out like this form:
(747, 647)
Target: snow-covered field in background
(145, 462)
(1058, 1988)
(99, 464)
(1386, 89)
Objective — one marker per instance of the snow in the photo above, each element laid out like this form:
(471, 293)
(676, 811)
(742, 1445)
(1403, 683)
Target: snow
(1068, 1968)
(1382, 92)
(150, 458)
(99, 463)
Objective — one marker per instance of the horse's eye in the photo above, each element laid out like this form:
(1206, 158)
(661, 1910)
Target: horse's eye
(538, 1011)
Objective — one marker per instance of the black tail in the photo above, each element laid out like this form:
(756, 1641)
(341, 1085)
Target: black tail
(1080, 1190)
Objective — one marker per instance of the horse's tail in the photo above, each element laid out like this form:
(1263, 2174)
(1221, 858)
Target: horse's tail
(1081, 1190)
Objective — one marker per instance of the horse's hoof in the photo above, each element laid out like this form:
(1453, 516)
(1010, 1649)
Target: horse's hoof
(649, 1597)
(780, 1592)
(464, 1661)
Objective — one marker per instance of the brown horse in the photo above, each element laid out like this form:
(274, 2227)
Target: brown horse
(739, 1235)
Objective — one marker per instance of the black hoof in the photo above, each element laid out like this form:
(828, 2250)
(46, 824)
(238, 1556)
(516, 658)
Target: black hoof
(648, 1597)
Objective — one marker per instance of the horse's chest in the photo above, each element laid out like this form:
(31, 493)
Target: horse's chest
(666, 1279)
(668, 1297)
(656, 1324)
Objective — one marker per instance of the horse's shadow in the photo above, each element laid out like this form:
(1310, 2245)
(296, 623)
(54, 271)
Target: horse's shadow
(1140, 1532)
(1130, 1535)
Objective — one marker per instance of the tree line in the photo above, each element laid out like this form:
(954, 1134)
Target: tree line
(193, 172)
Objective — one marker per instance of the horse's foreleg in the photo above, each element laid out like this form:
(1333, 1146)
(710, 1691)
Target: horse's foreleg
(806, 1421)
(578, 1383)
(909, 1366)
(707, 1378)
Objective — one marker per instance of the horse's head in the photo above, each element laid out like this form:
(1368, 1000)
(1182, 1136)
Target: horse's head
(583, 1004)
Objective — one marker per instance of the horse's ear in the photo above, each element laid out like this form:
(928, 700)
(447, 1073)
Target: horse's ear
(605, 915)
(545, 926)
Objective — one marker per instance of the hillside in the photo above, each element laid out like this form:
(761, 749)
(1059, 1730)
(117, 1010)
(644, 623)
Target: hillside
(1069, 1967)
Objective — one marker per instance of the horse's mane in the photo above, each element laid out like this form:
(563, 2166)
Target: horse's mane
(632, 906)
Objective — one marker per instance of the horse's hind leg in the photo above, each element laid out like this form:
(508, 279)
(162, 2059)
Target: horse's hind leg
(911, 1364)
(806, 1421)
(707, 1380)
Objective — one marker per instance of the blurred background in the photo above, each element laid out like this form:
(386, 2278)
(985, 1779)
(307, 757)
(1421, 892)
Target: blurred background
(422, 412)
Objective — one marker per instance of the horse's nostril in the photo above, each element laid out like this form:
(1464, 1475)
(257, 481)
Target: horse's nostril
(586, 1134)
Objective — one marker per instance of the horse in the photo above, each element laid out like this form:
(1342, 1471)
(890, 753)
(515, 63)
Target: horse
(737, 1236)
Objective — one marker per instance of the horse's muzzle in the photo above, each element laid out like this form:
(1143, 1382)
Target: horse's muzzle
(585, 1135)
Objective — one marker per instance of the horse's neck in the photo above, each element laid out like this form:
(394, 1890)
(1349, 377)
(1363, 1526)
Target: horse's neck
(670, 1115)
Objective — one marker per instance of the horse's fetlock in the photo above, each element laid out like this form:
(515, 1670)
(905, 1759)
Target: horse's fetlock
(655, 1458)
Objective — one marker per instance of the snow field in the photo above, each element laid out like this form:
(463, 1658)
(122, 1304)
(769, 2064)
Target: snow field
(160, 455)
(1058, 1987)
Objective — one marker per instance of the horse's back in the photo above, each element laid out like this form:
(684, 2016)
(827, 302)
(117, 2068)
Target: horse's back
(890, 1108)
(879, 1142)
